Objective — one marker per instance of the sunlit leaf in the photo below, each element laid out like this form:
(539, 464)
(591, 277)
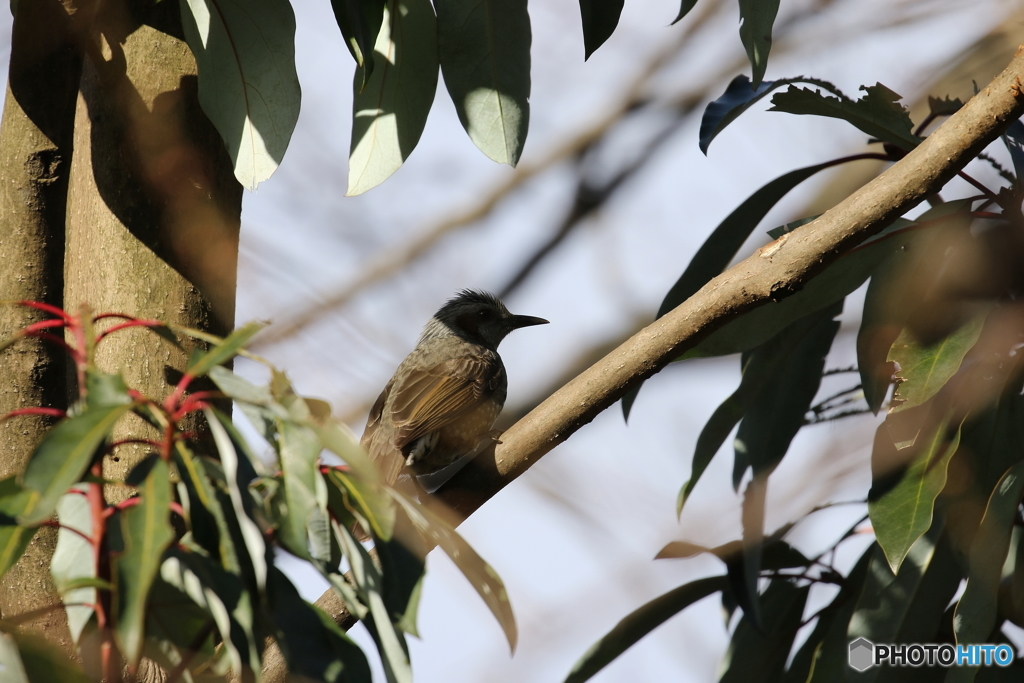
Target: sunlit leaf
(64, 454)
(484, 49)
(923, 370)
(10, 661)
(41, 662)
(202, 363)
(600, 17)
(73, 558)
(300, 451)
(878, 113)
(245, 53)
(757, 17)
(251, 534)
(390, 107)
(146, 529)
(903, 513)
(203, 506)
(14, 537)
(640, 622)
(368, 501)
(360, 22)
(975, 615)
(483, 578)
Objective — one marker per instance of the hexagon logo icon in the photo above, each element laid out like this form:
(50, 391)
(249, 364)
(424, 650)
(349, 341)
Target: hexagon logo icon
(862, 654)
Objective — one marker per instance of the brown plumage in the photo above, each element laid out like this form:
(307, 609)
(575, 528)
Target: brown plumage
(443, 399)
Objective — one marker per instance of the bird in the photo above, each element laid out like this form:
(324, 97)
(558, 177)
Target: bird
(441, 403)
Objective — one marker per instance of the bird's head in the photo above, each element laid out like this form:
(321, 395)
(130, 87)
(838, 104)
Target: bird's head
(478, 317)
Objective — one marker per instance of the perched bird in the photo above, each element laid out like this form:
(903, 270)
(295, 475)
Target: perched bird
(442, 401)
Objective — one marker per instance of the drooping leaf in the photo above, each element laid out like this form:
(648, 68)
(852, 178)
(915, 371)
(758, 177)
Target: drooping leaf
(368, 502)
(390, 106)
(1013, 138)
(903, 513)
(760, 652)
(684, 9)
(311, 642)
(41, 662)
(835, 282)
(10, 661)
(64, 454)
(878, 113)
(600, 17)
(369, 584)
(757, 17)
(777, 412)
(737, 98)
(360, 22)
(923, 370)
(14, 537)
(724, 243)
(210, 528)
(975, 615)
(640, 622)
(252, 537)
(202, 363)
(222, 596)
(146, 529)
(876, 335)
(245, 53)
(744, 575)
(300, 451)
(484, 49)
(73, 558)
(339, 439)
(402, 563)
(480, 575)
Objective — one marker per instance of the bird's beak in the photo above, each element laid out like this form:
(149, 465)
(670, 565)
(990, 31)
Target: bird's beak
(517, 321)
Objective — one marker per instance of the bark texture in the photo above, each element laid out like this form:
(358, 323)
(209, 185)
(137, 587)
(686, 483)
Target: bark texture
(153, 206)
(35, 158)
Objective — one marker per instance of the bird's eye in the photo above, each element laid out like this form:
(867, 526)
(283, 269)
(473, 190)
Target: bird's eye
(483, 315)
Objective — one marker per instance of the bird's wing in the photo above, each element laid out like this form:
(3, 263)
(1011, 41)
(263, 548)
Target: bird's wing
(388, 458)
(428, 399)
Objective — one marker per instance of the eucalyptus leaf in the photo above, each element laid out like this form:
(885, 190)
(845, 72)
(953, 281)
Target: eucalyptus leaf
(360, 22)
(73, 558)
(248, 88)
(640, 622)
(14, 537)
(390, 106)
(759, 652)
(146, 530)
(202, 363)
(600, 17)
(484, 49)
(975, 615)
(300, 452)
(757, 17)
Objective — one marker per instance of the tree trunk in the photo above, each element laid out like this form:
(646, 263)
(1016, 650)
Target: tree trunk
(35, 158)
(153, 206)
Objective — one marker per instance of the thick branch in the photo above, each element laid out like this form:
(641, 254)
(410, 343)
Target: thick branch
(772, 273)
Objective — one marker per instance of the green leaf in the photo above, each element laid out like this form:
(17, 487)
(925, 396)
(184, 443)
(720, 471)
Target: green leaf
(1013, 138)
(311, 642)
(41, 662)
(202, 363)
(878, 113)
(876, 334)
(245, 53)
(835, 282)
(640, 622)
(14, 538)
(947, 106)
(480, 575)
(222, 596)
(684, 9)
(390, 106)
(739, 96)
(759, 653)
(63, 455)
(369, 584)
(885, 605)
(252, 537)
(402, 562)
(367, 501)
(10, 661)
(300, 452)
(484, 48)
(756, 33)
(146, 529)
(204, 510)
(975, 615)
(360, 22)
(600, 17)
(776, 554)
(73, 558)
(339, 439)
(796, 357)
(903, 513)
(725, 241)
(923, 370)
